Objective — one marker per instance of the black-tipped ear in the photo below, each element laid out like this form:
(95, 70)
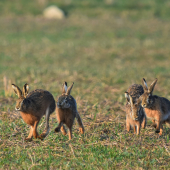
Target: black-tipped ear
(25, 90)
(64, 88)
(131, 100)
(127, 96)
(17, 90)
(145, 87)
(151, 88)
(69, 89)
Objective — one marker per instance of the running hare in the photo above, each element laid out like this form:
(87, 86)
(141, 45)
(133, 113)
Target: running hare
(157, 108)
(135, 116)
(33, 106)
(67, 111)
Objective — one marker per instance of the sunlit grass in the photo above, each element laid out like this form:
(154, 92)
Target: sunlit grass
(103, 47)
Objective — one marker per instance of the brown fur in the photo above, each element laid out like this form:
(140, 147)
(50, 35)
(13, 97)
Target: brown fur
(67, 111)
(135, 91)
(135, 116)
(33, 106)
(156, 108)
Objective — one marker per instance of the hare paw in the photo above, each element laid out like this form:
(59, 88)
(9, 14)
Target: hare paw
(81, 130)
(40, 137)
(157, 131)
(57, 129)
(154, 125)
(64, 132)
(28, 139)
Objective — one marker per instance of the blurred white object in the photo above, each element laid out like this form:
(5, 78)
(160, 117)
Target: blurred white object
(53, 12)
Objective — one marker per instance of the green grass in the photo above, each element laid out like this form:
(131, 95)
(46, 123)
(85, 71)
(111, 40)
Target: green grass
(103, 47)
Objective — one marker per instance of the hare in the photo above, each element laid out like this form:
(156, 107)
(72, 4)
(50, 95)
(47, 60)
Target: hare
(66, 111)
(135, 116)
(156, 108)
(33, 106)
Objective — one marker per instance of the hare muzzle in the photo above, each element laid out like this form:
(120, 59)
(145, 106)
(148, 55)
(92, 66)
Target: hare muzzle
(17, 108)
(58, 105)
(144, 105)
(136, 118)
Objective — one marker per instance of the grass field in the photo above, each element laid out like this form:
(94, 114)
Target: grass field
(103, 46)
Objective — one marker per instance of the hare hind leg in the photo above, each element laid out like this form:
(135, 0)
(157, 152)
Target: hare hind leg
(81, 127)
(47, 129)
(29, 138)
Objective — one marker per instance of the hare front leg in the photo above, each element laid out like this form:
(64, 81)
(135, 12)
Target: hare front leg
(154, 123)
(81, 128)
(57, 129)
(158, 126)
(70, 125)
(63, 130)
(134, 128)
(70, 133)
(127, 124)
(61, 127)
(29, 138)
(138, 128)
(144, 123)
(161, 129)
(35, 134)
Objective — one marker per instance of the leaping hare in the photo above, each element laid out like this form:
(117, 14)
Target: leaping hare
(135, 116)
(33, 106)
(66, 111)
(157, 108)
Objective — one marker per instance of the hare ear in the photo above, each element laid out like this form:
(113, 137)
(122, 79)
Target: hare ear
(151, 88)
(69, 89)
(25, 90)
(145, 86)
(127, 96)
(64, 88)
(17, 90)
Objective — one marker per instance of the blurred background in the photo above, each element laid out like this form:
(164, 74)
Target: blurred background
(102, 45)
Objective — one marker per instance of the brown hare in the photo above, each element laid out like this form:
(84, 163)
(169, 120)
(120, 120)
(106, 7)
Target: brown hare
(156, 108)
(33, 106)
(66, 111)
(135, 116)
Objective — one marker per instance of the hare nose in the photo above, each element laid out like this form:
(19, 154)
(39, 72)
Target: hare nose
(17, 108)
(144, 105)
